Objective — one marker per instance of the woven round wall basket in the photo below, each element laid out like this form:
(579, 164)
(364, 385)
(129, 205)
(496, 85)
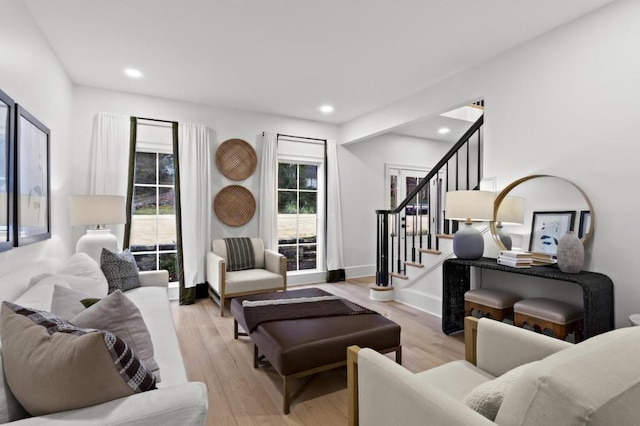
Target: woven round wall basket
(234, 205)
(236, 159)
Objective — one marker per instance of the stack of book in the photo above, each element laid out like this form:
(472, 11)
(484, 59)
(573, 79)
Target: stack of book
(543, 259)
(515, 258)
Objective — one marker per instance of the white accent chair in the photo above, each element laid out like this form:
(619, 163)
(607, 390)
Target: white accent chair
(594, 382)
(270, 273)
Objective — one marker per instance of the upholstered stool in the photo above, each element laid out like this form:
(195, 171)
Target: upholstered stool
(489, 302)
(541, 314)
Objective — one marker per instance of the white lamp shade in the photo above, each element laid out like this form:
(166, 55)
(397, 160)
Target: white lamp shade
(97, 209)
(511, 211)
(470, 205)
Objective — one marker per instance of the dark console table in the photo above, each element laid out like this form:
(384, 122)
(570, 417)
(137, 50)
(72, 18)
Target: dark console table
(597, 292)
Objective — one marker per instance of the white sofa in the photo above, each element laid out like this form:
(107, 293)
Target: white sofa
(176, 401)
(595, 382)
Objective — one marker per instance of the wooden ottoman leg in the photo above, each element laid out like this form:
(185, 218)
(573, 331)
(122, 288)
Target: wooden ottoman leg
(235, 329)
(399, 355)
(255, 356)
(286, 394)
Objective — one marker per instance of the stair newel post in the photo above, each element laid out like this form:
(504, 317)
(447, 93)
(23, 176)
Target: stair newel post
(382, 263)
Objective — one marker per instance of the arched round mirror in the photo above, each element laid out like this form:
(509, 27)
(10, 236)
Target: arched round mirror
(534, 212)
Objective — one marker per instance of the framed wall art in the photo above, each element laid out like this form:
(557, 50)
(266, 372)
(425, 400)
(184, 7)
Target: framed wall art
(585, 223)
(7, 111)
(547, 228)
(33, 187)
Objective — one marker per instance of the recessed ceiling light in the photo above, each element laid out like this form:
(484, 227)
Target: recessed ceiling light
(326, 109)
(443, 130)
(133, 73)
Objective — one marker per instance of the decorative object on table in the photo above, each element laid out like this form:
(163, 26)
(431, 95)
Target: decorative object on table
(547, 228)
(515, 258)
(510, 212)
(570, 253)
(234, 205)
(97, 211)
(33, 184)
(585, 223)
(469, 206)
(236, 159)
(541, 259)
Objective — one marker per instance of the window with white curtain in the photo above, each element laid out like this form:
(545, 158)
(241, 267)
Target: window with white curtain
(153, 214)
(301, 203)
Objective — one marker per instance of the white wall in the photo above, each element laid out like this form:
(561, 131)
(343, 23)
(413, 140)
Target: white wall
(563, 104)
(31, 74)
(362, 173)
(226, 124)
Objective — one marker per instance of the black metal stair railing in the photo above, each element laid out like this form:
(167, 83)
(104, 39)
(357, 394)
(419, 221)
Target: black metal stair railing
(414, 226)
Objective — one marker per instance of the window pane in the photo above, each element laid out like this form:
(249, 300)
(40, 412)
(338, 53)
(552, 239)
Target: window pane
(308, 202)
(287, 202)
(393, 190)
(287, 176)
(287, 228)
(167, 201)
(307, 257)
(169, 261)
(291, 253)
(145, 168)
(307, 228)
(144, 200)
(165, 169)
(308, 176)
(146, 262)
(144, 233)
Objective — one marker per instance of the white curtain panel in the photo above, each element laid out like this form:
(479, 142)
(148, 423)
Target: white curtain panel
(268, 212)
(194, 160)
(334, 210)
(109, 167)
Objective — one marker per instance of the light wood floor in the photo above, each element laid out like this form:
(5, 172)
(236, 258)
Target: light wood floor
(242, 395)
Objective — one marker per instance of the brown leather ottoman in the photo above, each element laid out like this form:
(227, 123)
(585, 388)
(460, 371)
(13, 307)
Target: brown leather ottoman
(301, 347)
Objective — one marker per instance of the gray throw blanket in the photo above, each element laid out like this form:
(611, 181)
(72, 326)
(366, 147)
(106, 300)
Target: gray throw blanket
(240, 254)
(327, 307)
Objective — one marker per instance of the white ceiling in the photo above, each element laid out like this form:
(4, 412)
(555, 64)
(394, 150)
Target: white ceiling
(288, 57)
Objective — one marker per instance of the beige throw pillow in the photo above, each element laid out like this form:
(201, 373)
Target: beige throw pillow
(121, 316)
(487, 397)
(51, 365)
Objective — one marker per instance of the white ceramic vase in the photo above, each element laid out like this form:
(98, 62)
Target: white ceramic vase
(570, 253)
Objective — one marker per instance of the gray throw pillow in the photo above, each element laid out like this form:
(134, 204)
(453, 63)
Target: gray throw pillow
(119, 315)
(120, 269)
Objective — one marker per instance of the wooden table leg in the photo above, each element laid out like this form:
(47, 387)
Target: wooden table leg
(286, 394)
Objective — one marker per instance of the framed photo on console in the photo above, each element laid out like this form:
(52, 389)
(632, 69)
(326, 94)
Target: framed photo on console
(547, 228)
(33, 186)
(585, 223)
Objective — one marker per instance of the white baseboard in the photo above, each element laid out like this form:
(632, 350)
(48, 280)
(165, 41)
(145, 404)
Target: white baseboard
(174, 291)
(360, 271)
(419, 300)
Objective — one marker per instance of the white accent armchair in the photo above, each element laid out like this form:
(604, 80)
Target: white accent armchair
(594, 382)
(270, 273)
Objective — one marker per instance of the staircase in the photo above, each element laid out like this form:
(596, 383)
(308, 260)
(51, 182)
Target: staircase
(415, 238)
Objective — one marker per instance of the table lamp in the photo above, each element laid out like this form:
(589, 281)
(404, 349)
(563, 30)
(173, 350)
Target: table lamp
(469, 206)
(510, 212)
(97, 211)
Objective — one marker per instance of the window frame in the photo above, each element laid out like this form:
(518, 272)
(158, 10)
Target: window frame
(320, 209)
(157, 252)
